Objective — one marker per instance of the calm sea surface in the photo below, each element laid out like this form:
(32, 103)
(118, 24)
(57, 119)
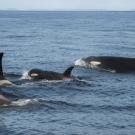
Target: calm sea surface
(97, 102)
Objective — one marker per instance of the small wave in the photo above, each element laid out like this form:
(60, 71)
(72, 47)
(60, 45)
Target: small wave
(57, 81)
(19, 36)
(82, 82)
(57, 104)
(24, 102)
(12, 75)
(108, 70)
(25, 76)
(40, 101)
(117, 108)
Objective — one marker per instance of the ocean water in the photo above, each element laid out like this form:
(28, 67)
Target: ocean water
(95, 102)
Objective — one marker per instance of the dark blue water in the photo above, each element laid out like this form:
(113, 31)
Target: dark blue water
(97, 102)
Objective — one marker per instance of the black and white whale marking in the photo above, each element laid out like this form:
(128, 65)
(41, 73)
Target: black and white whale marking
(50, 75)
(109, 63)
(3, 80)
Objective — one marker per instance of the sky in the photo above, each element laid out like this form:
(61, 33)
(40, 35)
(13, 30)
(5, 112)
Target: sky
(67, 5)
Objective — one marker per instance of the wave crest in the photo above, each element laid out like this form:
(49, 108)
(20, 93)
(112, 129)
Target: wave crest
(24, 102)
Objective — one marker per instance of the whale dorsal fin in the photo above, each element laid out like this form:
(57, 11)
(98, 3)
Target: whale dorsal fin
(67, 72)
(1, 70)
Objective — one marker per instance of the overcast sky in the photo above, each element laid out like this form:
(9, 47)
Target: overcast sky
(68, 4)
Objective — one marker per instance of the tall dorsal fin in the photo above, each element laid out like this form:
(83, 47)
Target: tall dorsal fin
(1, 70)
(67, 72)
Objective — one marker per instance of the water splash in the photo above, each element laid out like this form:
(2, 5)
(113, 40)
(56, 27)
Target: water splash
(80, 62)
(25, 76)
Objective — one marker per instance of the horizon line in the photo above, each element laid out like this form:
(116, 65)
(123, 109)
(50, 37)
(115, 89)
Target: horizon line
(62, 10)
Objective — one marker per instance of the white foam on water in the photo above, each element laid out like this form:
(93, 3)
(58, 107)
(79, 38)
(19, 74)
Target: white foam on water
(23, 102)
(80, 62)
(83, 80)
(56, 81)
(25, 76)
(112, 71)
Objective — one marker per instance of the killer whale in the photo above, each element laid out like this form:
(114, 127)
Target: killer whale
(3, 80)
(50, 75)
(108, 63)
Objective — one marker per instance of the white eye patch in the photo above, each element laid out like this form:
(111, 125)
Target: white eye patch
(34, 74)
(95, 63)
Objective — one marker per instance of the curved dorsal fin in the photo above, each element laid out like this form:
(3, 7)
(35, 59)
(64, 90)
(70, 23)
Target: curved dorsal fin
(1, 70)
(67, 72)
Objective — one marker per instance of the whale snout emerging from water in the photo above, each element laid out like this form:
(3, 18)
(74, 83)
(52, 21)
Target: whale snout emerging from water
(108, 63)
(50, 75)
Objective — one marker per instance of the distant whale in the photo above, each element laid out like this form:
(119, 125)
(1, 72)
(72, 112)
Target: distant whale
(50, 75)
(108, 63)
(3, 81)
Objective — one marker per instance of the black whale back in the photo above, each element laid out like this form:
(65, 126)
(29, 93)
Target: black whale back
(50, 75)
(119, 64)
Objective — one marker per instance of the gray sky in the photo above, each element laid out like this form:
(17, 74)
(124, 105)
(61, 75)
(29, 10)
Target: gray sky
(68, 4)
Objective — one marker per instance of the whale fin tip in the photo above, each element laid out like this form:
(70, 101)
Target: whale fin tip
(67, 72)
